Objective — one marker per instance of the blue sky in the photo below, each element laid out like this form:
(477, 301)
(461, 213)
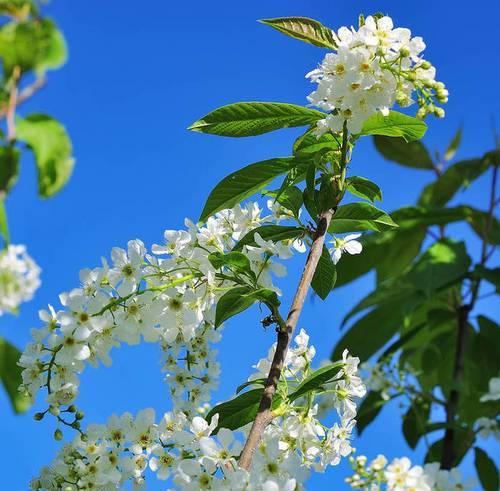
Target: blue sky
(139, 73)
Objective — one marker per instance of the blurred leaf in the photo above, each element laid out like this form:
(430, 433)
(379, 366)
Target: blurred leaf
(368, 410)
(304, 29)
(458, 176)
(9, 168)
(410, 154)
(488, 228)
(364, 188)
(442, 264)
(52, 148)
(20, 9)
(415, 422)
(254, 118)
(10, 374)
(355, 217)
(31, 45)
(486, 470)
(325, 275)
(413, 216)
(395, 125)
(453, 146)
(464, 439)
(488, 274)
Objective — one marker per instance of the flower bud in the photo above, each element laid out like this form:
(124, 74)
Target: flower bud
(76, 425)
(411, 76)
(439, 112)
(425, 65)
(38, 416)
(422, 113)
(58, 435)
(71, 409)
(404, 52)
(54, 410)
(79, 415)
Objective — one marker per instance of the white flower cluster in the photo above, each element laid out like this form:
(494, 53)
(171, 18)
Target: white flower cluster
(188, 451)
(168, 296)
(373, 68)
(19, 278)
(400, 475)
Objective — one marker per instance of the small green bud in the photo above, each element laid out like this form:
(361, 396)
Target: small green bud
(58, 435)
(54, 410)
(38, 416)
(76, 425)
(79, 415)
(412, 76)
(71, 409)
(422, 113)
(84, 437)
(438, 86)
(425, 65)
(439, 112)
(404, 52)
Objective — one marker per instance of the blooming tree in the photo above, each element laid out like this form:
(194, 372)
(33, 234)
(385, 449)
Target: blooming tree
(30, 45)
(275, 431)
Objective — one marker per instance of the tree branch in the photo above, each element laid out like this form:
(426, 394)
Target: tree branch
(285, 332)
(25, 94)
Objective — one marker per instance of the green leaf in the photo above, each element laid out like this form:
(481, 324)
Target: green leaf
(316, 380)
(489, 274)
(241, 298)
(395, 124)
(289, 198)
(444, 263)
(20, 9)
(304, 29)
(488, 228)
(453, 146)
(356, 217)
(275, 233)
(243, 183)
(259, 381)
(486, 470)
(241, 410)
(451, 181)
(325, 275)
(309, 144)
(415, 422)
(413, 216)
(368, 410)
(10, 374)
(31, 45)
(254, 118)
(9, 168)
(410, 154)
(4, 224)
(364, 188)
(52, 148)
(237, 260)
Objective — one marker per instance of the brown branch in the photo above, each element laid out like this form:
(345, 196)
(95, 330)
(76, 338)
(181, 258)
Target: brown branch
(286, 329)
(264, 415)
(25, 94)
(11, 107)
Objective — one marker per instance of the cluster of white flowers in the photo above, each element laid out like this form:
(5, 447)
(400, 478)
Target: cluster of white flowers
(19, 278)
(168, 296)
(197, 454)
(401, 475)
(373, 68)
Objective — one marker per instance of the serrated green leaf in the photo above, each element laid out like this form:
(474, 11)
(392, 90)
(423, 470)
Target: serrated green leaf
(325, 275)
(486, 470)
(395, 125)
(410, 154)
(304, 29)
(255, 118)
(364, 188)
(275, 233)
(243, 183)
(10, 374)
(52, 149)
(356, 217)
(241, 298)
(259, 381)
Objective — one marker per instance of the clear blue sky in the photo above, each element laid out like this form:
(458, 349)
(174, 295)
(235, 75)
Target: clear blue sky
(139, 73)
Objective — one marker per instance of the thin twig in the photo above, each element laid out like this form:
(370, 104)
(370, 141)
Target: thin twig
(26, 94)
(11, 107)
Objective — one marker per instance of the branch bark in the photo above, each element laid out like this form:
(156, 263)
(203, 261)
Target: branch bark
(285, 333)
(25, 94)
